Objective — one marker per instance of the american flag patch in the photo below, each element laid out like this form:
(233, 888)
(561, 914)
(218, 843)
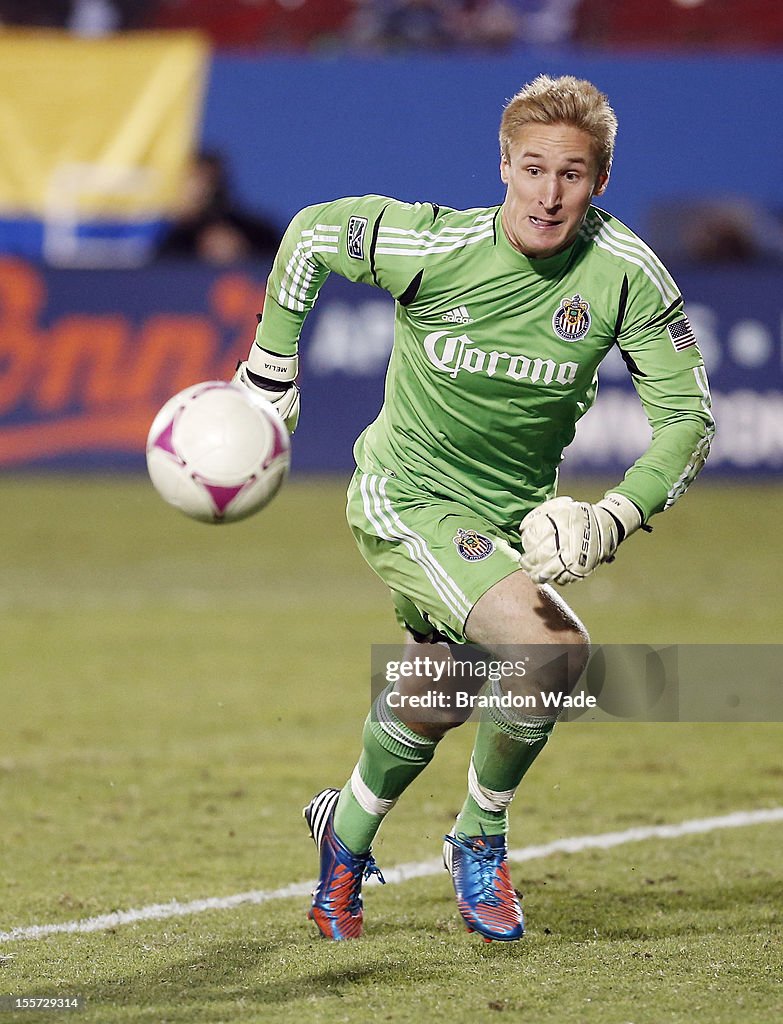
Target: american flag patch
(681, 334)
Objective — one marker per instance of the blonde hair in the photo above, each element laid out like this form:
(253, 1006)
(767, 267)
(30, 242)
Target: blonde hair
(566, 100)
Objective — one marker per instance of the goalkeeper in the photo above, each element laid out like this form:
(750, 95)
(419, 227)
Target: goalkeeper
(503, 316)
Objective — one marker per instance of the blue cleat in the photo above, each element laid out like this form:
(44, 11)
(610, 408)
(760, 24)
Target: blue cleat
(486, 899)
(337, 901)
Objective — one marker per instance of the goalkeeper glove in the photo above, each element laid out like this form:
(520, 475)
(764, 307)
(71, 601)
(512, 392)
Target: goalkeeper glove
(271, 378)
(565, 540)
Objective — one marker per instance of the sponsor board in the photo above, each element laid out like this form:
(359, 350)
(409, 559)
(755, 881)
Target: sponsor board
(88, 357)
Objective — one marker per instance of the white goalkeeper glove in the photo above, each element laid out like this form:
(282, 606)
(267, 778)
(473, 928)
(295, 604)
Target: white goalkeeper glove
(270, 377)
(565, 540)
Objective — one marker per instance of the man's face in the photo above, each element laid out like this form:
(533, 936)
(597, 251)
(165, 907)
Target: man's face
(552, 175)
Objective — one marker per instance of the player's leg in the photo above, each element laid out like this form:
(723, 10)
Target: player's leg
(513, 616)
(518, 615)
(422, 552)
(437, 562)
(394, 752)
(344, 822)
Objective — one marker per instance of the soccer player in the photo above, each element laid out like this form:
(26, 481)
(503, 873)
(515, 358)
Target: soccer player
(503, 316)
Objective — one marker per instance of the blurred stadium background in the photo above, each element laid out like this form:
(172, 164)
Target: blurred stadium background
(130, 267)
(153, 152)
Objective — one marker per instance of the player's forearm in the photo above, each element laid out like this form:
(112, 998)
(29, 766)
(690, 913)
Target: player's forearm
(270, 371)
(279, 329)
(309, 251)
(297, 274)
(676, 455)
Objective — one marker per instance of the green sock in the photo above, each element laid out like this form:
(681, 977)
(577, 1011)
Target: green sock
(392, 757)
(503, 751)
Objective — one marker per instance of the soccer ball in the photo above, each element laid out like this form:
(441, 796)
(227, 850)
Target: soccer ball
(216, 454)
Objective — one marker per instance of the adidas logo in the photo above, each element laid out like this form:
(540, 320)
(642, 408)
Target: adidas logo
(460, 315)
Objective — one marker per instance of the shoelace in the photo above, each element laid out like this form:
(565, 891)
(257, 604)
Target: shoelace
(487, 859)
(370, 869)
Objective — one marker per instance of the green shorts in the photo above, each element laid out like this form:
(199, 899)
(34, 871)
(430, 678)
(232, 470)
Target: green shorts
(436, 557)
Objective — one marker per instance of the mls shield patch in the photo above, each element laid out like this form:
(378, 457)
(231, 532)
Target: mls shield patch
(571, 321)
(357, 228)
(473, 546)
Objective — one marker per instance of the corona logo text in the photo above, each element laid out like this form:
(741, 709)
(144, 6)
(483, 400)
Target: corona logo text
(451, 355)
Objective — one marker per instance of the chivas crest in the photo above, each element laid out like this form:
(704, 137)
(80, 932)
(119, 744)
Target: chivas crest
(572, 320)
(473, 546)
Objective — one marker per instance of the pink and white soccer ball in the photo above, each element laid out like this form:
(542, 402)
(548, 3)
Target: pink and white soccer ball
(216, 454)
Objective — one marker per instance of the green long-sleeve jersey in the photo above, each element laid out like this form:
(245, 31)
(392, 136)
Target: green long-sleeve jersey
(495, 355)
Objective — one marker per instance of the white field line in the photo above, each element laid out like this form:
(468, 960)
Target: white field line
(393, 876)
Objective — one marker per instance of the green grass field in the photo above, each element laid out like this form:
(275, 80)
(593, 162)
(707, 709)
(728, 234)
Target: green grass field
(172, 694)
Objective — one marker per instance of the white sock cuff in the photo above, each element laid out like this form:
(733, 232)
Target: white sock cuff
(493, 800)
(365, 797)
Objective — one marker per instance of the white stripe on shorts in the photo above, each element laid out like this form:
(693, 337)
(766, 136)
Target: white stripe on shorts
(448, 582)
(388, 525)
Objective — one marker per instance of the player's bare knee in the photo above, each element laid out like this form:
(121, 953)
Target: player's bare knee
(557, 657)
(423, 697)
(563, 628)
(563, 664)
(576, 647)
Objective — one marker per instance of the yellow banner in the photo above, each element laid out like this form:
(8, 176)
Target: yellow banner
(96, 129)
